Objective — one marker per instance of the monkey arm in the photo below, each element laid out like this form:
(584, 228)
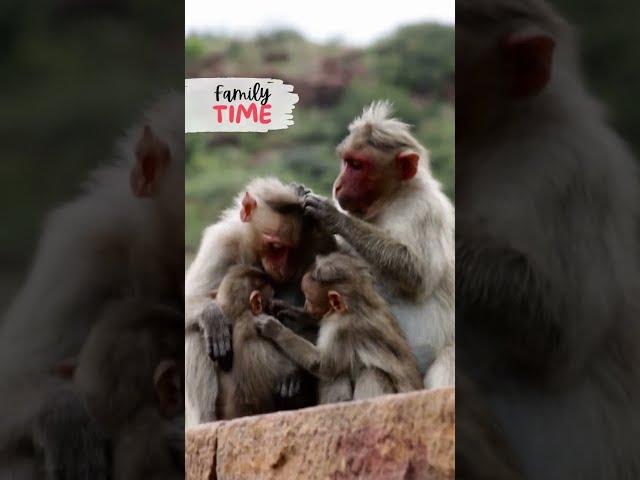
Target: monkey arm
(300, 351)
(216, 254)
(500, 292)
(212, 261)
(392, 258)
(294, 318)
(216, 329)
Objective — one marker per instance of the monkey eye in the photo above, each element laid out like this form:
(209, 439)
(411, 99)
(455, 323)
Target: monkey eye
(353, 163)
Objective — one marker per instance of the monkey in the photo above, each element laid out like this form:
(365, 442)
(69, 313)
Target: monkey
(361, 351)
(265, 227)
(249, 387)
(394, 214)
(547, 254)
(130, 376)
(122, 236)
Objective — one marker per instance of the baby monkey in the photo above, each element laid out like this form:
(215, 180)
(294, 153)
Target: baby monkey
(249, 386)
(361, 351)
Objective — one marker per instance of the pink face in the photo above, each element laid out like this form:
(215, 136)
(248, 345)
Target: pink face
(359, 184)
(367, 176)
(275, 254)
(278, 235)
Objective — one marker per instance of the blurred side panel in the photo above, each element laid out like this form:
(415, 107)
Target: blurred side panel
(547, 240)
(91, 244)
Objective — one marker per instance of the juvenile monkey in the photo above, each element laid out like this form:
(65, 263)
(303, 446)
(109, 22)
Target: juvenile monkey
(130, 375)
(249, 387)
(398, 220)
(361, 351)
(265, 227)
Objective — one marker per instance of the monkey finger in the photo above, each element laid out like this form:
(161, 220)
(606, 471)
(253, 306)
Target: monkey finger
(300, 189)
(209, 345)
(311, 199)
(214, 349)
(283, 389)
(222, 347)
(311, 211)
(294, 386)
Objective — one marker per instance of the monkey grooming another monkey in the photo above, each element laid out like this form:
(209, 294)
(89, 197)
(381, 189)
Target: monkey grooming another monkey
(402, 224)
(249, 387)
(266, 228)
(361, 351)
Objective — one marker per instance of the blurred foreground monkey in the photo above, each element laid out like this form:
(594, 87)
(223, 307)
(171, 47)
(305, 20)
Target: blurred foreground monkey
(361, 352)
(547, 256)
(265, 227)
(122, 236)
(130, 374)
(249, 387)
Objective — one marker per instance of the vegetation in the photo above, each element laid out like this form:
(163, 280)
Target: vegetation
(414, 68)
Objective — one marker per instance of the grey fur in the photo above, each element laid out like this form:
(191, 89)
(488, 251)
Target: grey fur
(364, 344)
(407, 239)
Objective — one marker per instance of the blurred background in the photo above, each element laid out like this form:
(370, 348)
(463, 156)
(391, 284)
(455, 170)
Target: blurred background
(74, 75)
(609, 37)
(337, 65)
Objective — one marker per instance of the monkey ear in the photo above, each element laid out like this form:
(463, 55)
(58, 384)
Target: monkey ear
(256, 302)
(407, 163)
(66, 368)
(166, 381)
(152, 157)
(249, 204)
(529, 56)
(337, 302)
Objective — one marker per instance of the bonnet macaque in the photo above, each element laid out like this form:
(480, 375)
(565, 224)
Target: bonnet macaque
(361, 351)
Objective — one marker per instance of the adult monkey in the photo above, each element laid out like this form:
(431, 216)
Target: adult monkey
(399, 220)
(547, 255)
(265, 227)
(123, 236)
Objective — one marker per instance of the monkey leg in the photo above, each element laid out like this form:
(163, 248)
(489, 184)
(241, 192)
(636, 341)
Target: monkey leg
(442, 372)
(201, 383)
(372, 382)
(337, 390)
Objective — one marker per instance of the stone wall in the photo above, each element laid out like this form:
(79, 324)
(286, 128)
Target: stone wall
(407, 436)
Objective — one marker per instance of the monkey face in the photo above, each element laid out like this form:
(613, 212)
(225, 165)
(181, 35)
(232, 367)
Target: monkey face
(359, 184)
(278, 235)
(316, 299)
(369, 176)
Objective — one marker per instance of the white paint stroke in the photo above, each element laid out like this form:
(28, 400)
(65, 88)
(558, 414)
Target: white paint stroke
(200, 100)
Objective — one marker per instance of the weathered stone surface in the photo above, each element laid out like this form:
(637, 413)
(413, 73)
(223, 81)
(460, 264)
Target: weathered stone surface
(200, 451)
(407, 436)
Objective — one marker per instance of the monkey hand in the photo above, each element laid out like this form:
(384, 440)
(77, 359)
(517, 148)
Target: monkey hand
(323, 211)
(289, 386)
(216, 329)
(275, 306)
(300, 189)
(268, 326)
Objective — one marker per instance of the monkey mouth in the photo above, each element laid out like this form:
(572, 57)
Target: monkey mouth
(277, 252)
